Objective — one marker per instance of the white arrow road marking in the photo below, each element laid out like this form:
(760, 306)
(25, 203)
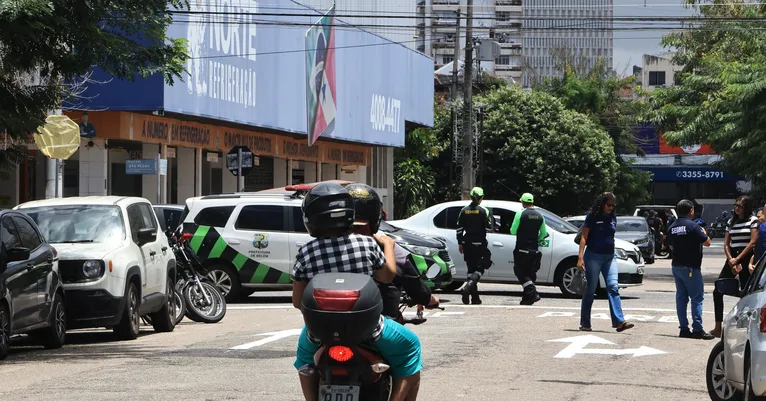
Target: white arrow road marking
(433, 314)
(274, 336)
(577, 346)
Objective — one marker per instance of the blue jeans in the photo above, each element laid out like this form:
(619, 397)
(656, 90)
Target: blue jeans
(689, 287)
(606, 265)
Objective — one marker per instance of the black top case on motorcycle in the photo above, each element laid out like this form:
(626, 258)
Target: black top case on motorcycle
(342, 308)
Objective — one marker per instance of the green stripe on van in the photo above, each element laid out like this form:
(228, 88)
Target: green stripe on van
(218, 248)
(239, 261)
(199, 235)
(260, 273)
(284, 279)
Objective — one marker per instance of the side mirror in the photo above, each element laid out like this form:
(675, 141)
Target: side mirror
(17, 254)
(728, 286)
(146, 235)
(433, 271)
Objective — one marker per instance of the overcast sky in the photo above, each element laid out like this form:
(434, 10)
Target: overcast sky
(631, 45)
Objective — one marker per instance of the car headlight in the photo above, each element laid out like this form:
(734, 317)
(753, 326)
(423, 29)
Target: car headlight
(641, 241)
(92, 268)
(620, 254)
(421, 250)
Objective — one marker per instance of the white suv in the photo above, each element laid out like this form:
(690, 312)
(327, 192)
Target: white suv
(115, 263)
(559, 252)
(250, 240)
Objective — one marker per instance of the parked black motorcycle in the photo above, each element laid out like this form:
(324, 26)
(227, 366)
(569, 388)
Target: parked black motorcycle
(342, 311)
(204, 300)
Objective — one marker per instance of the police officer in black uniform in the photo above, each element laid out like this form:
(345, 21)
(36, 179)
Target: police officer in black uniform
(473, 223)
(529, 228)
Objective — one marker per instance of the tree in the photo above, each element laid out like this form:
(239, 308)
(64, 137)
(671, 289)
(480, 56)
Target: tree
(48, 46)
(534, 144)
(596, 92)
(721, 97)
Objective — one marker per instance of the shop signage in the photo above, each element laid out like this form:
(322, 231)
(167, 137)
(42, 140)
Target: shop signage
(141, 166)
(665, 148)
(689, 174)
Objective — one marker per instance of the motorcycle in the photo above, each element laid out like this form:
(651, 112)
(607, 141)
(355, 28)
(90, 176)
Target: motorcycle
(342, 312)
(200, 299)
(204, 300)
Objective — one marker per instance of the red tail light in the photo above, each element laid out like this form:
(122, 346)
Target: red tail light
(336, 300)
(186, 236)
(340, 353)
(763, 319)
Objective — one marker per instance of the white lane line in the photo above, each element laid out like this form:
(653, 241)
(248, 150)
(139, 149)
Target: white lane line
(449, 305)
(254, 307)
(278, 335)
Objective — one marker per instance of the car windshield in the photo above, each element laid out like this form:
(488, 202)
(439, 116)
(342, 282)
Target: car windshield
(79, 223)
(634, 225)
(557, 223)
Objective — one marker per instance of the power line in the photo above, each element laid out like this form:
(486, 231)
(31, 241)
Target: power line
(493, 18)
(492, 8)
(487, 28)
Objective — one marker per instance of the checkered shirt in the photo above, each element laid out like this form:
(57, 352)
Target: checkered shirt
(351, 253)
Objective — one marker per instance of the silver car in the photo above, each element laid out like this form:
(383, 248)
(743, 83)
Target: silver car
(736, 368)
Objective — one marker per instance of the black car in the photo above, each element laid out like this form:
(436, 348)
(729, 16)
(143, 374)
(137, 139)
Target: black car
(31, 294)
(636, 230)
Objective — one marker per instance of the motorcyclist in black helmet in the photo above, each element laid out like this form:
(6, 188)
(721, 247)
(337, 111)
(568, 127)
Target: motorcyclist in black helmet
(328, 213)
(367, 207)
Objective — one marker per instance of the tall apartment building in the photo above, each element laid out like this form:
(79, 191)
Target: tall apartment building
(496, 19)
(580, 30)
(391, 19)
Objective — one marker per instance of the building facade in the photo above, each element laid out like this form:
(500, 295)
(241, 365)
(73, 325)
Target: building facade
(500, 20)
(247, 84)
(580, 31)
(657, 71)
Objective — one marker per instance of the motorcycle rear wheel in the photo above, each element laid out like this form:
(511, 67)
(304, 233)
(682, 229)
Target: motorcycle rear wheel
(196, 309)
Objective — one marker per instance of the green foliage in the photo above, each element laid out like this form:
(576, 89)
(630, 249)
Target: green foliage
(721, 99)
(596, 93)
(413, 187)
(632, 188)
(60, 41)
(534, 144)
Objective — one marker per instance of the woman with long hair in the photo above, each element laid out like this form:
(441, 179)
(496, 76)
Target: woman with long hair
(738, 244)
(598, 259)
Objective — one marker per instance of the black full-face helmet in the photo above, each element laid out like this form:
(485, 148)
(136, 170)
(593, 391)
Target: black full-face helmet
(327, 206)
(367, 205)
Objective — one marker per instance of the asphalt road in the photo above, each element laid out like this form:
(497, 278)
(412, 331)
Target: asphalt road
(495, 351)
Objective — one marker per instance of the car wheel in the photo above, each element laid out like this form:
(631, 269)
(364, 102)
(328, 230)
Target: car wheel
(717, 387)
(128, 327)
(5, 331)
(55, 336)
(227, 281)
(565, 283)
(164, 320)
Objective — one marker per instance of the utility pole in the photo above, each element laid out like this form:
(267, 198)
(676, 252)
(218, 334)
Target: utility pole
(468, 179)
(453, 94)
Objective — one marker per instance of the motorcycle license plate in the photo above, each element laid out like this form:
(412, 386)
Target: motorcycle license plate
(453, 271)
(339, 393)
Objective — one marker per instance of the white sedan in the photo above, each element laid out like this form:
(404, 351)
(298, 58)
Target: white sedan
(559, 260)
(736, 368)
